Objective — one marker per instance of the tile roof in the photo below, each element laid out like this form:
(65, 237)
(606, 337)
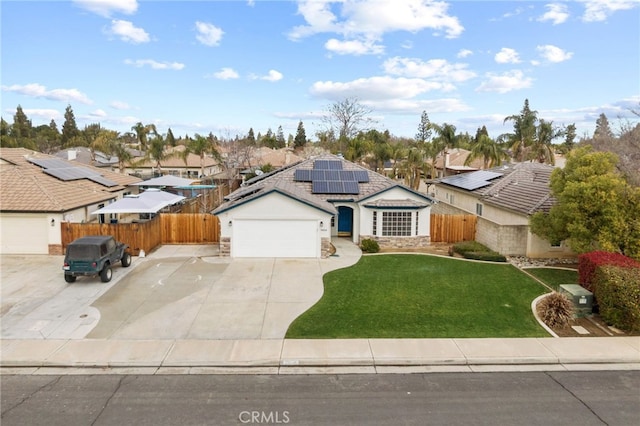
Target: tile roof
(523, 188)
(26, 188)
(377, 183)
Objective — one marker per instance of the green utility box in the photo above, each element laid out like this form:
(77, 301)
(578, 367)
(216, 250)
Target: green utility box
(582, 298)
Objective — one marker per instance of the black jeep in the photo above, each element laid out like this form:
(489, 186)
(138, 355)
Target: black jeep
(94, 256)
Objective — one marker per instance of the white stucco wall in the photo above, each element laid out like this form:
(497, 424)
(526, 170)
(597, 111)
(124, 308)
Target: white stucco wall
(274, 206)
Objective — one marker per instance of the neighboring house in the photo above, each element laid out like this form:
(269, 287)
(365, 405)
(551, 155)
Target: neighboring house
(38, 191)
(276, 157)
(295, 211)
(453, 162)
(503, 198)
(84, 155)
(175, 165)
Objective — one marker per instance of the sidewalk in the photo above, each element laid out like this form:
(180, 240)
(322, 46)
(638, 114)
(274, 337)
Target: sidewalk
(282, 356)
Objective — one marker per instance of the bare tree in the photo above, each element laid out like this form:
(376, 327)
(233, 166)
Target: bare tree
(347, 118)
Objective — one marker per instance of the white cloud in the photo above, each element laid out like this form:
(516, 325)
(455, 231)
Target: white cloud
(119, 105)
(43, 114)
(272, 76)
(415, 106)
(354, 47)
(464, 53)
(36, 90)
(139, 63)
(226, 74)
(557, 13)
(377, 88)
(437, 69)
(374, 18)
(98, 113)
(107, 7)
(600, 10)
(553, 53)
(505, 82)
(507, 55)
(208, 34)
(128, 32)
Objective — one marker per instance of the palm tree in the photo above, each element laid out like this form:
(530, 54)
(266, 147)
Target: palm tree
(157, 153)
(542, 149)
(357, 149)
(446, 139)
(201, 146)
(524, 131)
(487, 149)
(141, 133)
(413, 166)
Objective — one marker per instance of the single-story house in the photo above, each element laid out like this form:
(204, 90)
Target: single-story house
(296, 210)
(189, 167)
(503, 198)
(38, 191)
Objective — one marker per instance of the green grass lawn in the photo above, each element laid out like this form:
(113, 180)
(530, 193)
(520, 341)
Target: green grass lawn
(554, 277)
(417, 296)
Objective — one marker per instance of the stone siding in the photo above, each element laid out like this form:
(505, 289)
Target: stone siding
(399, 242)
(326, 248)
(55, 249)
(225, 247)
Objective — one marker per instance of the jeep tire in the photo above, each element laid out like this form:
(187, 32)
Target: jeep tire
(69, 278)
(106, 273)
(126, 259)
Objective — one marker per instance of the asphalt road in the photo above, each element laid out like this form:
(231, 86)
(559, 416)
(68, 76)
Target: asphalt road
(559, 398)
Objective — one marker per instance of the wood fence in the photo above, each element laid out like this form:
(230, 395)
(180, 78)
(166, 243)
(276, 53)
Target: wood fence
(452, 228)
(166, 228)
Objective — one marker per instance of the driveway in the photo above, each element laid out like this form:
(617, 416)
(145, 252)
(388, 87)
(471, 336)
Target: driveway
(176, 292)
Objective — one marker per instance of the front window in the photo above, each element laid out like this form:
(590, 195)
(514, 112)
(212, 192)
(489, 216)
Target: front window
(375, 223)
(396, 224)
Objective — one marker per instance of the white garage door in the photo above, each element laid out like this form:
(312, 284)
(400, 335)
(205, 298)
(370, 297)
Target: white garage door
(275, 238)
(25, 235)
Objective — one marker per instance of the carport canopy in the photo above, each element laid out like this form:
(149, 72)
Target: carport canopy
(149, 201)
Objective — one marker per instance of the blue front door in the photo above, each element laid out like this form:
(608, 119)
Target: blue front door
(345, 220)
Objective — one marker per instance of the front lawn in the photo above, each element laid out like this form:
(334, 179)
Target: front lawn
(417, 296)
(554, 277)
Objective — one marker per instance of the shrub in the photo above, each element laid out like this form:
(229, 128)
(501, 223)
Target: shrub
(475, 250)
(489, 256)
(588, 264)
(618, 295)
(556, 310)
(467, 246)
(369, 246)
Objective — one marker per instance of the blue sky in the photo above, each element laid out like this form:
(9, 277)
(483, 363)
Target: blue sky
(226, 66)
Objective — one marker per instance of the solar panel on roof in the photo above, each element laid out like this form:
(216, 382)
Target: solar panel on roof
(65, 171)
(351, 187)
(302, 175)
(317, 175)
(332, 174)
(347, 175)
(471, 181)
(361, 175)
(320, 187)
(321, 165)
(102, 181)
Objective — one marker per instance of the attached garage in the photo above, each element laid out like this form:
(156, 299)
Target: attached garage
(24, 234)
(275, 238)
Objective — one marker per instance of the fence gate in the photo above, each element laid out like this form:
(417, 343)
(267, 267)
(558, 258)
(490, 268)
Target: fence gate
(452, 228)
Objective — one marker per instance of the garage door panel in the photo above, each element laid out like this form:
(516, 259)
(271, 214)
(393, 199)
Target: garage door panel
(275, 238)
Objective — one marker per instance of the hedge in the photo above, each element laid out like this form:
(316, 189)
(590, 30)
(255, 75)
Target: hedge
(476, 251)
(618, 294)
(588, 264)
(369, 246)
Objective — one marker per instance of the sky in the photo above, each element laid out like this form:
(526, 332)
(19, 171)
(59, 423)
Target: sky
(227, 66)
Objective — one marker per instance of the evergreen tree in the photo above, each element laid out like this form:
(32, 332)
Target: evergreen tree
(603, 130)
(301, 137)
(171, 140)
(6, 141)
(70, 130)
(251, 138)
(424, 128)
(22, 128)
(280, 140)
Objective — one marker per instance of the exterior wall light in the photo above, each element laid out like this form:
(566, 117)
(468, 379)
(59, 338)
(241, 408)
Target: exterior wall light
(53, 222)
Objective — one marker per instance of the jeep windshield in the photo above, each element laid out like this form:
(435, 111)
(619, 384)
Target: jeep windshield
(81, 252)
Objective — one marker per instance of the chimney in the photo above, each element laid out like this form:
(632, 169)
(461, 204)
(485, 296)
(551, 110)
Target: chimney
(72, 154)
(446, 159)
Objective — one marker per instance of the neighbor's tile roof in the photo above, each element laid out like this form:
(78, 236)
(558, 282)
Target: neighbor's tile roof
(377, 183)
(26, 188)
(522, 188)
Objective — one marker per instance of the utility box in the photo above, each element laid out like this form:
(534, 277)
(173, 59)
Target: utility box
(582, 298)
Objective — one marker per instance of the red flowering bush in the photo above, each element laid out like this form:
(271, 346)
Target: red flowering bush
(588, 264)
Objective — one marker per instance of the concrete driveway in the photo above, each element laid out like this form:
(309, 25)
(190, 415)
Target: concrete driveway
(176, 292)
